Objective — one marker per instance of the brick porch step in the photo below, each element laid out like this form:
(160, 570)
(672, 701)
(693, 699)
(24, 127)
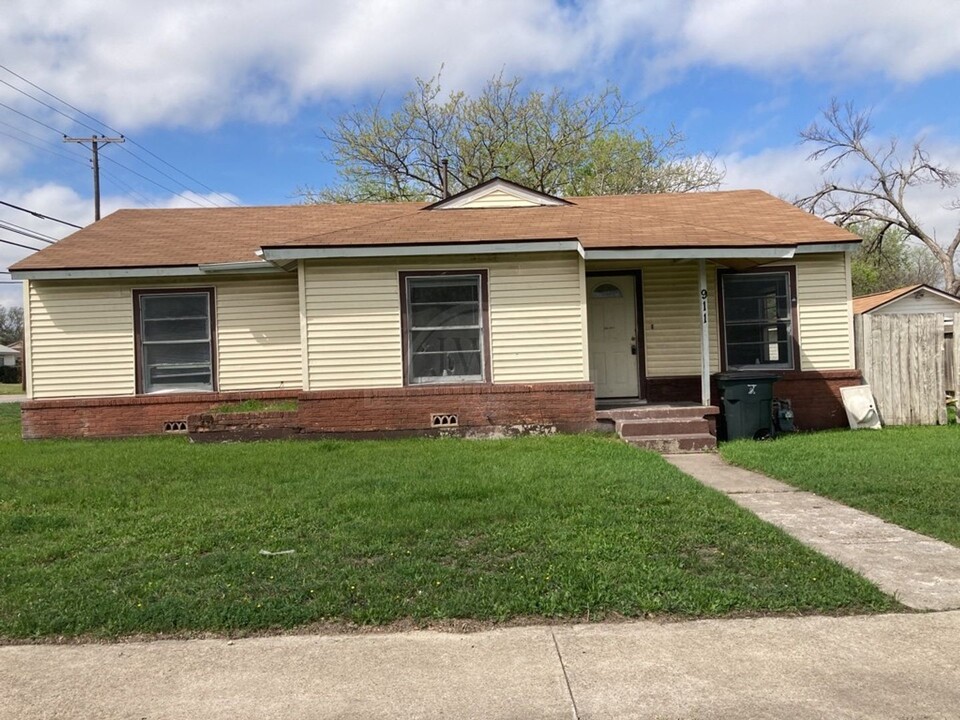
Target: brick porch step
(651, 427)
(686, 443)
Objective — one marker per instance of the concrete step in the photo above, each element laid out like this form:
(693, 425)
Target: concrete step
(658, 412)
(656, 426)
(687, 443)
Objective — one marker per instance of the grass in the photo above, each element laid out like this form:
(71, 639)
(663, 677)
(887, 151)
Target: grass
(246, 406)
(157, 535)
(11, 389)
(906, 475)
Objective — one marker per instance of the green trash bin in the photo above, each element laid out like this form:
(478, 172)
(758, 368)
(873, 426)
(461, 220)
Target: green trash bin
(746, 400)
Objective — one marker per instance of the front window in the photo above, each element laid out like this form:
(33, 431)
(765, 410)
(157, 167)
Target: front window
(445, 328)
(758, 320)
(176, 341)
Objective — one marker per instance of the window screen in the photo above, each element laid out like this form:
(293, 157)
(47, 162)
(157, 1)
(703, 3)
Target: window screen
(758, 320)
(444, 329)
(175, 342)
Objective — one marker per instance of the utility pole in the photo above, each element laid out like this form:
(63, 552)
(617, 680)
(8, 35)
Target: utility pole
(95, 144)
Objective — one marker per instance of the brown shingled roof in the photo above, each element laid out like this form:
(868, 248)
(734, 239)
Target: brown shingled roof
(178, 237)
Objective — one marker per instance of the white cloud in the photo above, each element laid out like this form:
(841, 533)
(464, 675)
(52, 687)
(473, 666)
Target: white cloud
(785, 171)
(189, 63)
(905, 42)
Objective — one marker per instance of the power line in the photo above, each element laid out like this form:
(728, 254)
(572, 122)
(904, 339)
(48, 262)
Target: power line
(48, 105)
(67, 156)
(151, 180)
(11, 242)
(32, 119)
(114, 130)
(26, 233)
(40, 215)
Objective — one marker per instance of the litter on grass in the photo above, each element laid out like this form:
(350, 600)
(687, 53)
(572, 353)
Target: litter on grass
(278, 552)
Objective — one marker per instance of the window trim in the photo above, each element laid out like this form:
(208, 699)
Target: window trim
(137, 337)
(791, 272)
(485, 357)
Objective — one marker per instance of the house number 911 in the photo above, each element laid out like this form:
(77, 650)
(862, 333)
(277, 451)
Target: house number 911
(703, 305)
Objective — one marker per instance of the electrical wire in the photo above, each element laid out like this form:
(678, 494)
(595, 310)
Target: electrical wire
(39, 214)
(26, 247)
(26, 233)
(114, 130)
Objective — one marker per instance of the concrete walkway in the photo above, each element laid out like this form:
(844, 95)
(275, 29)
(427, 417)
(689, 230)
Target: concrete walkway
(891, 666)
(921, 572)
(13, 398)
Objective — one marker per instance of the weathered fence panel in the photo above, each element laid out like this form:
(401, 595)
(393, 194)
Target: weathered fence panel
(904, 360)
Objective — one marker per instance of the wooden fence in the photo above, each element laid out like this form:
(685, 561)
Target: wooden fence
(904, 359)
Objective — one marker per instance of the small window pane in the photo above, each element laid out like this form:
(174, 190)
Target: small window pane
(178, 306)
(160, 330)
(453, 366)
(444, 289)
(607, 290)
(444, 341)
(446, 314)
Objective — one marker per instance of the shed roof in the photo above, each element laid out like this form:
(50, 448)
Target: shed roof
(866, 303)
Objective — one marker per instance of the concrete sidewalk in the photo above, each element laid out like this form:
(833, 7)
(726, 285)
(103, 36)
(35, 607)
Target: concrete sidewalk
(921, 572)
(891, 666)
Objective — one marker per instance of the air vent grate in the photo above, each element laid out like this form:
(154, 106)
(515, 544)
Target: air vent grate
(175, 426)
(443, 420)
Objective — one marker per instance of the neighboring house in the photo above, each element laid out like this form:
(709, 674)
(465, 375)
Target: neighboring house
(499, 307)
(8, 356)
(912, 299)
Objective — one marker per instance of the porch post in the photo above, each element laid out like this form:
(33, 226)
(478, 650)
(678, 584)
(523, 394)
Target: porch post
(704, 337)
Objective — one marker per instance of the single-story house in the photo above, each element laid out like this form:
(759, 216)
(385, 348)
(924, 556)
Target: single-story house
(499, 307)
(908, 300)
(8, 356)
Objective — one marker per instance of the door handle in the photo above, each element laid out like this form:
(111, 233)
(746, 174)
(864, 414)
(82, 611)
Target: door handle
(633, 348)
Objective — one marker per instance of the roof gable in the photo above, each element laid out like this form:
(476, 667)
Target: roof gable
(497, 193)
(875, 301)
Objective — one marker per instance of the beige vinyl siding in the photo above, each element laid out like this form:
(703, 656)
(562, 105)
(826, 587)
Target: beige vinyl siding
(536, 321)
(500, 199)
(671, 318)
(825, 310)
(354, 329)
(82, 334)
(81, 340)
(353, 326)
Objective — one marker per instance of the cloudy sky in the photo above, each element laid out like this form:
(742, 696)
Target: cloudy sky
(224, 98)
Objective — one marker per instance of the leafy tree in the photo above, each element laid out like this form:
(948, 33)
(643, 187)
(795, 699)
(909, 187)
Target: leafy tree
(552, 142)
(11, 325)
(890, 262)
(885, 174)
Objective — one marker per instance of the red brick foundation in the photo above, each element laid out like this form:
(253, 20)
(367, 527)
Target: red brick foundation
(815, 395)
(566, 407)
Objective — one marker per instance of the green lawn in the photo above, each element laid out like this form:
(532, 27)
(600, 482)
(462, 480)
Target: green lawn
(11, 389)
(907, 475)
(106, 538)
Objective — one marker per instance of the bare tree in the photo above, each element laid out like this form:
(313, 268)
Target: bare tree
(879, 194)
(551, 141)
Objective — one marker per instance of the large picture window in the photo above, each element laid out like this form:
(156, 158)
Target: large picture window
(444, 331)
(758, 320)
(175, 340)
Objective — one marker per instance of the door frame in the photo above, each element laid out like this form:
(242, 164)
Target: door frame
(641, 355)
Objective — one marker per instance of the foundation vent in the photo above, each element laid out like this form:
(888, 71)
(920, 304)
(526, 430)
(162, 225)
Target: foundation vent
(175, 426)
(441, 420)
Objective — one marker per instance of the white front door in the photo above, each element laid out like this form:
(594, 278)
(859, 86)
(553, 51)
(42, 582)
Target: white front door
(612, 336)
